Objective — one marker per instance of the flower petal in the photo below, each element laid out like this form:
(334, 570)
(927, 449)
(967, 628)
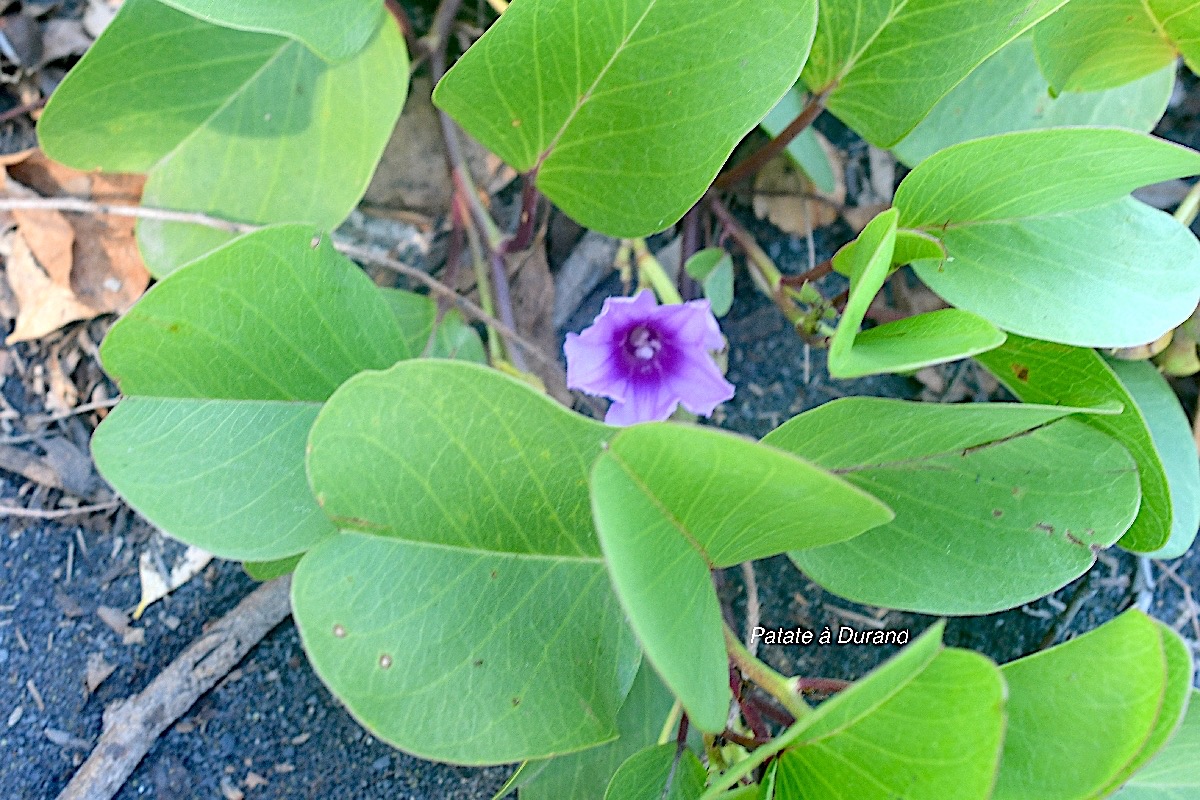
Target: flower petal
(698, 384)
(644, 404)
(691, 325)
(590, 366)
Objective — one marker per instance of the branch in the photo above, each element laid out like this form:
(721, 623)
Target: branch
(55, 513)
(78, 206)
(132, 727)
(758, 159)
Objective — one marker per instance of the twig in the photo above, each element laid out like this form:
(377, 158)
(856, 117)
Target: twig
(22, 110)
(133, 726)
(79, 206)
(758, 159)
(55, 513)
(1081, 595)
(359, 253)
(753, 609)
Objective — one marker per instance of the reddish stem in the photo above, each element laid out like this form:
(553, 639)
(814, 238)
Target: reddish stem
(759, 158)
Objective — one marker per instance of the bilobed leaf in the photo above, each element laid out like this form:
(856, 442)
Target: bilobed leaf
(645, 776)
(1099, 44)
(925, 734)
(466, 556)
(584, 775)
(224, 367)
(888, 62)
(1082, 713)
(626, 108)
(805, 150)
(334, 29)
(1172, 774)
(1021, 214)
(272, 133)
(1056, 374)
(672, 502)
(995, 504)
(1008, 93)
(906, 344)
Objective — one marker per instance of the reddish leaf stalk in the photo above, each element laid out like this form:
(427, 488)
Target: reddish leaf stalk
(759, 158)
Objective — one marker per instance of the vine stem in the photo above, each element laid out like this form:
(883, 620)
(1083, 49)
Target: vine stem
(652, 270)
(759, 158)
(1188, 209)
(782, 688)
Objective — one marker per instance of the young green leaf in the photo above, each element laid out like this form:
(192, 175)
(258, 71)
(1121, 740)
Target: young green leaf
(1172, 774)
(471, 620)
(626, 108)
(1008, 93)
(713, 269)
(646, 774)
(888, 62)
(1098, 44)
(584, 775)
(269, 570)
(272, 133)
(672, 502)
(333, 29)
(906, 344)
(1048, 373)
(1020, 212)
(224, 366)
(935, 734)
(995, 504)
(1104, 699)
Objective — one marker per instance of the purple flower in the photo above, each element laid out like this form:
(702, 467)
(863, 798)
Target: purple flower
(649, 358)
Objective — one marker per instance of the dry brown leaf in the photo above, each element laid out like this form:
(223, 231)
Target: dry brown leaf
(92, 259)
(44, 306)
(98, 671)
(857, 217)
(532, 289)
(785, 196)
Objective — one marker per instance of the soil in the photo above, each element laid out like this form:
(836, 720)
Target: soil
(271, 729)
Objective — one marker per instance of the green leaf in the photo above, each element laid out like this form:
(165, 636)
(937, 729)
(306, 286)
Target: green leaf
(910, 246)
(272, 133)
(996, 504)
(478, 574)
(805, 150)
(1008, 93)
(626, 108)
(416, 315)
(1101, 700)
(936, 733)
(333, 29)
(1172, 438)
(672, 502)
(1172, 774)
(888, 62)
(1018, 214)
(584, 776)
(269, 570)
(713, 268)
(644, 776)
(1048, 373)
(1098, 44)
(906, 344)
(224, 366)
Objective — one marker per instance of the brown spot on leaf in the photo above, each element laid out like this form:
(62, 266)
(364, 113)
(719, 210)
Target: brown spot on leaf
(516, 701)
(997, 513)
(1044, 526)
(477, 662)
(1021, 371)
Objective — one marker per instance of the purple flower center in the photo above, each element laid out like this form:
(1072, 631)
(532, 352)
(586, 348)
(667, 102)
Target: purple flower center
(641, 346)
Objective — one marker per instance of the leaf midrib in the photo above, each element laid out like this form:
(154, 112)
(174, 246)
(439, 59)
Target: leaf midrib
(586, 97)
